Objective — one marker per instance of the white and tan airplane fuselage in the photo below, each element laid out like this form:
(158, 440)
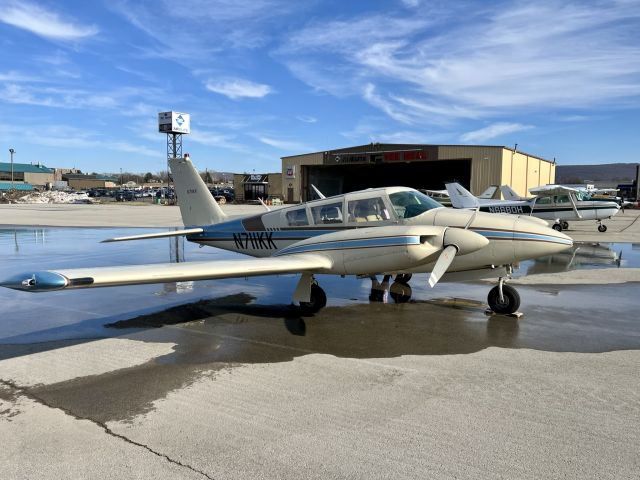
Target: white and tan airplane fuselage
(510, 238)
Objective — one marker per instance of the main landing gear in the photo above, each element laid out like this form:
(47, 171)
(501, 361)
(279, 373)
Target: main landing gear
(601, 227)
(317, 300)
(560, 225)
(504, 299)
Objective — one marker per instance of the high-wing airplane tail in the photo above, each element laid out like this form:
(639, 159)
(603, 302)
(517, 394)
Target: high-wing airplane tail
(197, 205)
(489, 192)
(509, 193)
(461, 197)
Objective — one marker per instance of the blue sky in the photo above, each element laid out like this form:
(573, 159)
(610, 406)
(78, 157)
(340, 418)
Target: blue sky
(81, 83)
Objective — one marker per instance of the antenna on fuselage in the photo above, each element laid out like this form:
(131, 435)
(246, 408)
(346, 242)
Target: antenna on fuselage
(318, 192)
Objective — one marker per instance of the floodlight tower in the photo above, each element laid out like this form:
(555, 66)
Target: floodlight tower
(174, 124)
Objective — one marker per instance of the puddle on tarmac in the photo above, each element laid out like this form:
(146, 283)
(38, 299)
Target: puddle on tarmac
(584, 255)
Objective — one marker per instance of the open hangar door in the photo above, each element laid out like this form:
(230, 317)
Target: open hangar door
(431, 175)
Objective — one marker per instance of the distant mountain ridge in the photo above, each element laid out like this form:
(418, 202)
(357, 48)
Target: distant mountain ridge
(609, 173)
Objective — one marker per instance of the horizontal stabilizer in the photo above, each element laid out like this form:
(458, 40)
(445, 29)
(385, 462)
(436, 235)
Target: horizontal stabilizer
(146, 236)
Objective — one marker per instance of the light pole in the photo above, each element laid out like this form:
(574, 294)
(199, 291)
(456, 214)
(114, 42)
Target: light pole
(11, 152)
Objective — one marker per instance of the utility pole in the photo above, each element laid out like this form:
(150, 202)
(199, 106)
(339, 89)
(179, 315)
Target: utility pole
(11, 152)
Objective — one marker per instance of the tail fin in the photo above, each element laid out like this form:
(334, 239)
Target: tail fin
(509, 194)
(489, 192)
(461, 197)
(197, 205)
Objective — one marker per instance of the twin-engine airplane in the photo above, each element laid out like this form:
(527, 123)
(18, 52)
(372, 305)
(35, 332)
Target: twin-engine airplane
(551, 202)
(392, 231)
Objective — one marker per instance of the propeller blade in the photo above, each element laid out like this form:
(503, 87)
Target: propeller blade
(441, 266)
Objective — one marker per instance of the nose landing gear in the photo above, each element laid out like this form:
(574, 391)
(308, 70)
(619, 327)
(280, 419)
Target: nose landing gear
(502, 298)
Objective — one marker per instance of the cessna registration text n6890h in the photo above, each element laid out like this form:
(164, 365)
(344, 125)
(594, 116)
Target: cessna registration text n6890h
(393, 231)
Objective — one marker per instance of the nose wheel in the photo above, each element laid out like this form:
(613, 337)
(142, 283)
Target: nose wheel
(504, 299)
(602, 227)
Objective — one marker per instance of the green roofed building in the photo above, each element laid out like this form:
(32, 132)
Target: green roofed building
(26, 173)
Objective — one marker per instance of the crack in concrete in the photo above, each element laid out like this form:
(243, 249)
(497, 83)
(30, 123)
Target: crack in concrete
(17, 389)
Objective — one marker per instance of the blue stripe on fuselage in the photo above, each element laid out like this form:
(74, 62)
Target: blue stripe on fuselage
(356, 243)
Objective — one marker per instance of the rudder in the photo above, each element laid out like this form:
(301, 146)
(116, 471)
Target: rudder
(460, 196)
(197, 205)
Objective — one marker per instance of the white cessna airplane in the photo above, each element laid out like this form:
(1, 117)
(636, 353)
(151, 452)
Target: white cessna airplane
(551, 202)
(393, 231)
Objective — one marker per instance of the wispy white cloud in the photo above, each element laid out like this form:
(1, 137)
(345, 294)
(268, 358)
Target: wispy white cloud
(13, 76)
(235, 88)
(500, 59)
(376, 129)
(370, 95)
(284, 144)
(48, 96)
(45, 23)
(67, 136)
(307, 118)
(493, 131)
(198, 30)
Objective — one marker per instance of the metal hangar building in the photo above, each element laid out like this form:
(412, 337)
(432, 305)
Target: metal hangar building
(418, 166)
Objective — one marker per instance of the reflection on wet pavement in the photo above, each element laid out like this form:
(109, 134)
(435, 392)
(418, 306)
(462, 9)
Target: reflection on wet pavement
(416, 320)
(217, 325)
(584, 255)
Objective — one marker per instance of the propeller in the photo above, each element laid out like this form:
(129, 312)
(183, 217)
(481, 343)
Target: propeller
(444, 260)
(455, 241)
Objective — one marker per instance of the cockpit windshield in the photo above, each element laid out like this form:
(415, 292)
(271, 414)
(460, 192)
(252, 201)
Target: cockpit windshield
(582, 196)
(411, 203)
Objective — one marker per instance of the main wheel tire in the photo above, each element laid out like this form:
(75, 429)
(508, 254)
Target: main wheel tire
(602, 228)
(222, 200)
(400, 292)
(557, 227)
(317, 301)
(565, 225)
(403, 278)
(510, 302)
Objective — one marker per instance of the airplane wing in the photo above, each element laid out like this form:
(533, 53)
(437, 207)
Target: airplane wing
(167, 272)
(548, 190)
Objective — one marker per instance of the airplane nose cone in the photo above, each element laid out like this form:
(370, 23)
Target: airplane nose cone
(533, 240)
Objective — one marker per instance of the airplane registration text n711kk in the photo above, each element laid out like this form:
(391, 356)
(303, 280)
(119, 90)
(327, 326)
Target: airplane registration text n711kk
(257, 241)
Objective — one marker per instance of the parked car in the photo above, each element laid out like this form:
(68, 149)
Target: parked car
(223, 195)
(124, 195)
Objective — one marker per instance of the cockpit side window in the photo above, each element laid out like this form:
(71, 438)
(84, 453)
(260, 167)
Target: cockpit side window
(327, 213)
(412, 203)
(562, 199)
(297, 218)
(543, 200)
(367, 210)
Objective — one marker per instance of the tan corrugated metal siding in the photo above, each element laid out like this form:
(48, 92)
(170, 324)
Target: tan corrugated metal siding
(486, 168)
(522, 171)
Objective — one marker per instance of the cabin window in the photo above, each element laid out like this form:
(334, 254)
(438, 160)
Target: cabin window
(297, 218)
(328, 213)
(543, 200)
(412, 203)
(563, 199)
(367, 210)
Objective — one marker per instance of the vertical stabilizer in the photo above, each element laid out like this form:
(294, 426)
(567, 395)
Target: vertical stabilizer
(461, 197)
(509, 194)
(197, 205)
